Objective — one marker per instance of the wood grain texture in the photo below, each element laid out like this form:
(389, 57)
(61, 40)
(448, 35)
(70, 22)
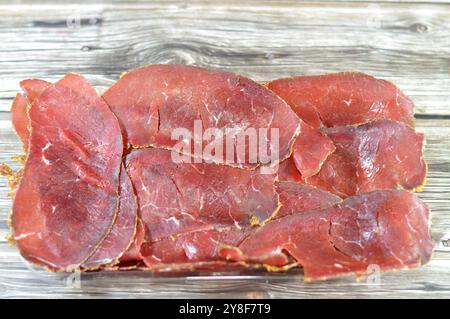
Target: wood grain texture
(406, 42)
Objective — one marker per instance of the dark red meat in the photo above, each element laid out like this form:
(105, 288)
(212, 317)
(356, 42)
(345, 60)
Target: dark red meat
(337, 175)
(344, 99)
(201, 266)
(19, 118)
(151, 102)
(389, 229)
(378, 155)
(297, 198)
(33, 88)
(68, 197)
(133, 253)
(198, 246)
(310, 150)
(287, 171)
(192, 197)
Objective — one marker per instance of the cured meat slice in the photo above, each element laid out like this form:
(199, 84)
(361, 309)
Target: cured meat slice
(310, 150)
(152, 101)
(398, 224)
(201, 266)
(163, 174)
(389, 229)
(19, 118)
(192, 197)
(378, 155)
(337, 175)
(297, 198)
(33, 88)
(188, 268)
(344, 99)
(287, 171)
(198, 246)
(68, 197)
(121, 235)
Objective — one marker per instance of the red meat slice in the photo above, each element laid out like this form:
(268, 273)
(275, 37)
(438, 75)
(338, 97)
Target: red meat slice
(192, 197)
(287, 171)
(378, 155)
(33, 88)
(389, 229)
(19, 118)
(122, 233)
(337, 175)
(201, 266)
(76, 208)
(198, 246)
(344, 99)
(204, 245)
(68, 197)
(310, 151)
(20, 106)
(133, 253)
(297, 198)
(152, 101)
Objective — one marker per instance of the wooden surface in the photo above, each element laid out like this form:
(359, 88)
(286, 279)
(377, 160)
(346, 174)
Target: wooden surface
(408, 43)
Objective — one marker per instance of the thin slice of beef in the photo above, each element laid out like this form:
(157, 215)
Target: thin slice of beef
(33, 88)
(153, 101)
(340, 99)
(19, 118)
(378, 155)
(387, 229)
(133, 253)
(338, 174)
(287, 171)
(295, 198)
(119, 239)
(201, 266)
(122, 233)
(68, 197)
(197, 246)
(175, 198)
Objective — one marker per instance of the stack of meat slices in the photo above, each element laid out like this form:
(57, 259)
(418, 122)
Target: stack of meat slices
(100, 189)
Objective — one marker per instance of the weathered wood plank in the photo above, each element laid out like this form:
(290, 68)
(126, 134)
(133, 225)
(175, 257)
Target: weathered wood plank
(403, 42)
(408, 43)
(431, 281)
